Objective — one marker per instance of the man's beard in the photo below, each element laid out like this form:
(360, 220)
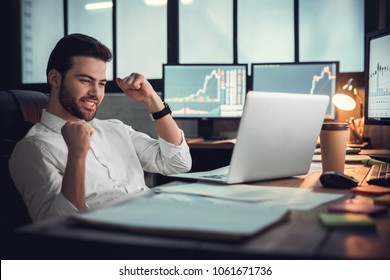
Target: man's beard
(72, 106)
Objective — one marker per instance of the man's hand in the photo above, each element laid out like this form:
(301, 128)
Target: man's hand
(136, 87)
(77, 136)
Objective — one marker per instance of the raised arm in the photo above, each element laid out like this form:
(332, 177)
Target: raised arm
(139, 89)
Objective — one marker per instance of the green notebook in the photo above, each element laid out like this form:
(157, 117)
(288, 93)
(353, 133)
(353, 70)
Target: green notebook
(346, 220)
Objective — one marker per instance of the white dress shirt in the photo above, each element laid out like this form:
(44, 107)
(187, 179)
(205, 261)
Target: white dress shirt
(115, 164)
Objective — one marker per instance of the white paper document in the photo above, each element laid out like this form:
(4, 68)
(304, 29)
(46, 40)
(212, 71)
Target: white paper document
(270, 196)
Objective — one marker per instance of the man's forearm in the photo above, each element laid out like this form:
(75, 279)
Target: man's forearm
(73, 182)
(168, 130)
(166, 126)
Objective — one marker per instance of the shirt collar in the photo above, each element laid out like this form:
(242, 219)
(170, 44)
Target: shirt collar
(55, 123)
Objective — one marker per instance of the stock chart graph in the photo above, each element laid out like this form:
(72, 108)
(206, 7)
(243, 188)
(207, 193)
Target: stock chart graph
(212, 90)
(205, 90)
(379, 90)
(378, 106)
(326, 73)
(307, 78)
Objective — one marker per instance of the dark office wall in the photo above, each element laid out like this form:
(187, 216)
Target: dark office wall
(10, 44)
(377, 13)
(384, 13)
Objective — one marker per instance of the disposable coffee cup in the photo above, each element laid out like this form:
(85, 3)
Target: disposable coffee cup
(333, 142)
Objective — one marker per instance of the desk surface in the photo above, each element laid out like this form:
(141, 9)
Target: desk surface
(300, 236)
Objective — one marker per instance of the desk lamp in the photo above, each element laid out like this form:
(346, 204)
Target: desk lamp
(347, 103)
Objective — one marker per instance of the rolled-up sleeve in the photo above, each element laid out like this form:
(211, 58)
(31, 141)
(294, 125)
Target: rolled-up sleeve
(178, 156)
(160, 156)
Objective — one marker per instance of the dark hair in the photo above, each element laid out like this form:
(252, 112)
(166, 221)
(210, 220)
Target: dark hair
(75, 45)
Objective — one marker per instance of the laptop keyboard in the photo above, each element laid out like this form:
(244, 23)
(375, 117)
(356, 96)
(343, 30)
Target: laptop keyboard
(379, 175)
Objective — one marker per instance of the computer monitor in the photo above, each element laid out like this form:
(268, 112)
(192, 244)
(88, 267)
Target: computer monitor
(205, 92)
(305, 77)
(377, 73)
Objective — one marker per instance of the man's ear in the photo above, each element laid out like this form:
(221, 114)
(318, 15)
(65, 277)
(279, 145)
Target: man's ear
(54, 78)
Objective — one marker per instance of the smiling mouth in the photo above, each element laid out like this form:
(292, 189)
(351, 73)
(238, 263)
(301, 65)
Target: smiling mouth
(89, 104)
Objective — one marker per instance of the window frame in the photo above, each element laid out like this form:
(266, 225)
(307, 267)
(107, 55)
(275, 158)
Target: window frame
(173, 43)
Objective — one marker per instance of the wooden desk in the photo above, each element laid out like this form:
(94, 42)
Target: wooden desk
(300, 236)
(381, 154)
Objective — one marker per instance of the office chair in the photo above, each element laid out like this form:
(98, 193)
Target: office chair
(19, 111)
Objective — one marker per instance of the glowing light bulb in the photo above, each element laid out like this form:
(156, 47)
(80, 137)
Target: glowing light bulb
(343, 102)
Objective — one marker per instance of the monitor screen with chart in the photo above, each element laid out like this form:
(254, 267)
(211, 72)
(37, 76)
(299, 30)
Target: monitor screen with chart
(308, 78)
(377, 71)
(206, 93)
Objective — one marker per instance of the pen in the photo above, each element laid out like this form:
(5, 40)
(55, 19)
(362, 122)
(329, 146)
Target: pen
(370, 161)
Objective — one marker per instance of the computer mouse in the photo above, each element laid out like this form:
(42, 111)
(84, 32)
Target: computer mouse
(332, 179)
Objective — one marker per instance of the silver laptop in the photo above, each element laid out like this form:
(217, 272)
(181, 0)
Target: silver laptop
(276, 138)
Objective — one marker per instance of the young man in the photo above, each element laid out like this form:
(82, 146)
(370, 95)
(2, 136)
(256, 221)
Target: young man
(71, 161)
